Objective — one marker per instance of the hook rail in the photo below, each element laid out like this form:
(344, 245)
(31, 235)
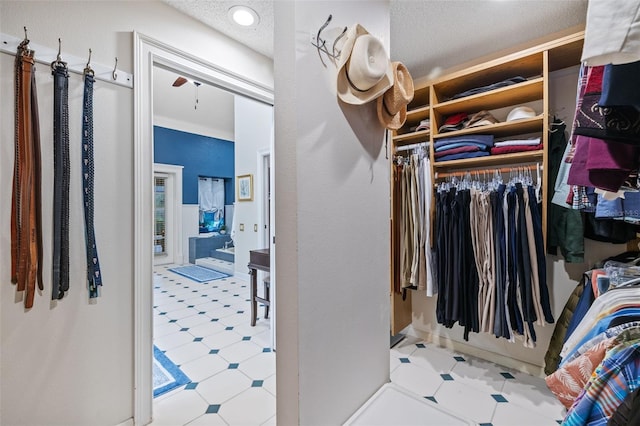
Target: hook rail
(46, 55)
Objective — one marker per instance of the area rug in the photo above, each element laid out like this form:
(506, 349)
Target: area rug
(198, 273)
(166, 375)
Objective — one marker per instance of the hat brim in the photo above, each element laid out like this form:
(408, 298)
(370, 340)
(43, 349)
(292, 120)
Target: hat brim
(391, 122)
(345, 91)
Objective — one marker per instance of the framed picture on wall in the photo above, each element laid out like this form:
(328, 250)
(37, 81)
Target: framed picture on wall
(245, 187)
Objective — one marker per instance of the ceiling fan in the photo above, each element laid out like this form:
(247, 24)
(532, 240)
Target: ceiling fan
(182, 80)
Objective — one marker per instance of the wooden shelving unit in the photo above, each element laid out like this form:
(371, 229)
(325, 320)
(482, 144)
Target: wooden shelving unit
(433, 100)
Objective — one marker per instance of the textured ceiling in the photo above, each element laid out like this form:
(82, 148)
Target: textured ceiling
(430, 34)
(425, 34)
(214, 14)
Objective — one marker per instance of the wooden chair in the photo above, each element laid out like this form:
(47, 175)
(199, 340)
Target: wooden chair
(255, 299)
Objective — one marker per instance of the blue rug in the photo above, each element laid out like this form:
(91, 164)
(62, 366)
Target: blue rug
(166, 375)
(198, 273)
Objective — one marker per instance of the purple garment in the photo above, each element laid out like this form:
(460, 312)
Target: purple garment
(602, 164)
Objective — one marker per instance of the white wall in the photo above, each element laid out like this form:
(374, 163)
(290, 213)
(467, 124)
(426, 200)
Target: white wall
(562, 277)
(71, 362)
(332, 213)
(253, 131)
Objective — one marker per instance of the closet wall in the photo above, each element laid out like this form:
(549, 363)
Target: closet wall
(562, 277)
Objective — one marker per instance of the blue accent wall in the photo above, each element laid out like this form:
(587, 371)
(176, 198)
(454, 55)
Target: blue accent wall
(200, 156)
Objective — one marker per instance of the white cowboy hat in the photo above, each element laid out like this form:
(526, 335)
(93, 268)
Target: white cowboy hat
(364, 69)
(392, 106)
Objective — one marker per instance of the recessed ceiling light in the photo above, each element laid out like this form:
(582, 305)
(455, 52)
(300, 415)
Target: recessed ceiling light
(244, 16)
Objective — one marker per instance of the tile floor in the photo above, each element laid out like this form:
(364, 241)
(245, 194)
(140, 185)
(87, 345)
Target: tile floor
(204, 328)
(481, 391)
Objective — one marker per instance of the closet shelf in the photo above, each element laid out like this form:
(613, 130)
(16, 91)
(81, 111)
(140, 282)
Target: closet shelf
(422, 135)
(418, 114)
(491, 160)
(525, 64)
(499, 130)
(527, 91)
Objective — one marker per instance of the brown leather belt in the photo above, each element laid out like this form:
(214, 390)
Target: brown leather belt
(26, 217)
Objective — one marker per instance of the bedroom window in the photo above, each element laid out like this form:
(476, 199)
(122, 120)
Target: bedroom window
(211, 198)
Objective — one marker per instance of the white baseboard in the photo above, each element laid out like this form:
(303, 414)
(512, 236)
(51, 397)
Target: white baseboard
(505, 361)
(128, 422)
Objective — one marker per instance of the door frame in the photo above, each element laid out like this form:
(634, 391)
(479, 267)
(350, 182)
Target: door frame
(173, 212)
(149, 52)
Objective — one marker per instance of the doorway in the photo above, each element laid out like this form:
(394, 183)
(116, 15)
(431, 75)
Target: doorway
(150, 53)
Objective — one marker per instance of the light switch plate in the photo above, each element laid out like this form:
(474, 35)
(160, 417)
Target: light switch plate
(242, 227)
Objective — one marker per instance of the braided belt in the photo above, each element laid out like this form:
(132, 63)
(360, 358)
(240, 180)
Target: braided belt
(26, 217)
(94, 277)
(61, 179)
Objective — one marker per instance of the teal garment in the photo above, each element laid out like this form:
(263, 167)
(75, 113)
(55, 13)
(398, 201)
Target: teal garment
(565, 227)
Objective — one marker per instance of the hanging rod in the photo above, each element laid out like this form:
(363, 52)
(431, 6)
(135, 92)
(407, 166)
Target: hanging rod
(458, 173)
(412, 146)
(76, 64)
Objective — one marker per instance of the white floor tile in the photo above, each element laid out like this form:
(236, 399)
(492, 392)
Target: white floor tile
(477, 405)
(393, 405)
(223, 386)
(403, 349)
(193, 321)
(240, 351)
(436, 360)
(171, 306)
(181, 313)
(248, 330)
(482, 375)
(262, 339)
(208, 420)
(222, 339)
(421, 381)
(206, 329)
(270, 384)
(507, 414)
(262, 403)
(270, 422)
(204, 367)
(188, 352)
(173, 340)
(260, 366)
(162, 329)
(394, 362)
(178, 409)
(532, 394)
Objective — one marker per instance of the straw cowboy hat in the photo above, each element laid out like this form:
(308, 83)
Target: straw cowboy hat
(364, 69)
(392, 106)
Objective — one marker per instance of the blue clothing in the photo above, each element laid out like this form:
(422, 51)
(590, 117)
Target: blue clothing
(459, 144)
(620, 85)
(584, 303)
(486, 140)
(615, 377)
(463, 155)
(602, 325)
